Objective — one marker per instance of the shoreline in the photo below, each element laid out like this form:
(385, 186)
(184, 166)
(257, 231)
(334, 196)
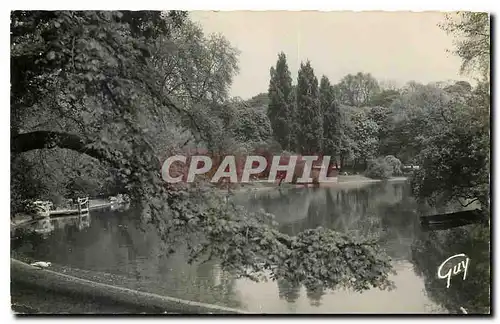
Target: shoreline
(92, 288)
(344, 182)
(25, 219)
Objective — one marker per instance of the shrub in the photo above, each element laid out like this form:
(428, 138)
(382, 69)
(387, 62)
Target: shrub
(378, 169)
(395, 164)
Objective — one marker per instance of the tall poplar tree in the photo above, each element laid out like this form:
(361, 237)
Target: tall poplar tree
(309, 115)
(281, 108)
(331, 118)
(293, 125)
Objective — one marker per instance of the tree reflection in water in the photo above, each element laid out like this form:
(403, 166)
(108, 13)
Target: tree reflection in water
(291, 292)
(115, 243)
(382, 211)
(388, 212)
(315, 293)
(430, 249)
(288, 290)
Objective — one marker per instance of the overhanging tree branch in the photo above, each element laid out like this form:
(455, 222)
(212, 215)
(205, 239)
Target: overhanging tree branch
(46, 140)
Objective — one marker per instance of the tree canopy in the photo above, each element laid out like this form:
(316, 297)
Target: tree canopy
(281, 108)
(309, 114)
(471, 31)
(456, 157)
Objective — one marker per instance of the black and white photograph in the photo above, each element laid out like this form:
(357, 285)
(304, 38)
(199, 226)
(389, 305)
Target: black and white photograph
(209, 162)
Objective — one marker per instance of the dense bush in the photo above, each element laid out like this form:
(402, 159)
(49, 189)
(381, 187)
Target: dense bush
(384, 168)
(395, 164)
(378, 169)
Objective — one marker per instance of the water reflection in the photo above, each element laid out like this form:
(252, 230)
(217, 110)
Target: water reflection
(114, 242)
(45, 226)
(430, 249)
(385, 210)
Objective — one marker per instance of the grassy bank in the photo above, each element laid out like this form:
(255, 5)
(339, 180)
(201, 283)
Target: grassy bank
(86, 286)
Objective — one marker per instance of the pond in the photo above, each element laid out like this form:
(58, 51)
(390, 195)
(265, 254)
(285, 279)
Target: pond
(111, 242)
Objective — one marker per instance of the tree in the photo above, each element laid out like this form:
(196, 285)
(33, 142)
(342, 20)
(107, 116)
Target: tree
(455, 165)
(459, 88)
(384, 98)
(76, 79)
(415, 114)
(309, 114)
(251, 126)
(472, 40)
(281, 109)
(357, 90)
(456, 159)
(364, 134)
(347, 145)
(331, 118)
(88, 82)
(295, 122)
(382, 117)
(261, 100)
(196, 71)
(196, 68)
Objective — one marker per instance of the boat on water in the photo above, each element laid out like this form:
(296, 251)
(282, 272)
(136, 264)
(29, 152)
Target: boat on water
(450, 220)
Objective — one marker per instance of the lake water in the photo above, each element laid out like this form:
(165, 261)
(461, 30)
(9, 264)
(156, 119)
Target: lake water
(111, 242)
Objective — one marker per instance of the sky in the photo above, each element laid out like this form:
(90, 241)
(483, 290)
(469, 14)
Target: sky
(395, 47)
